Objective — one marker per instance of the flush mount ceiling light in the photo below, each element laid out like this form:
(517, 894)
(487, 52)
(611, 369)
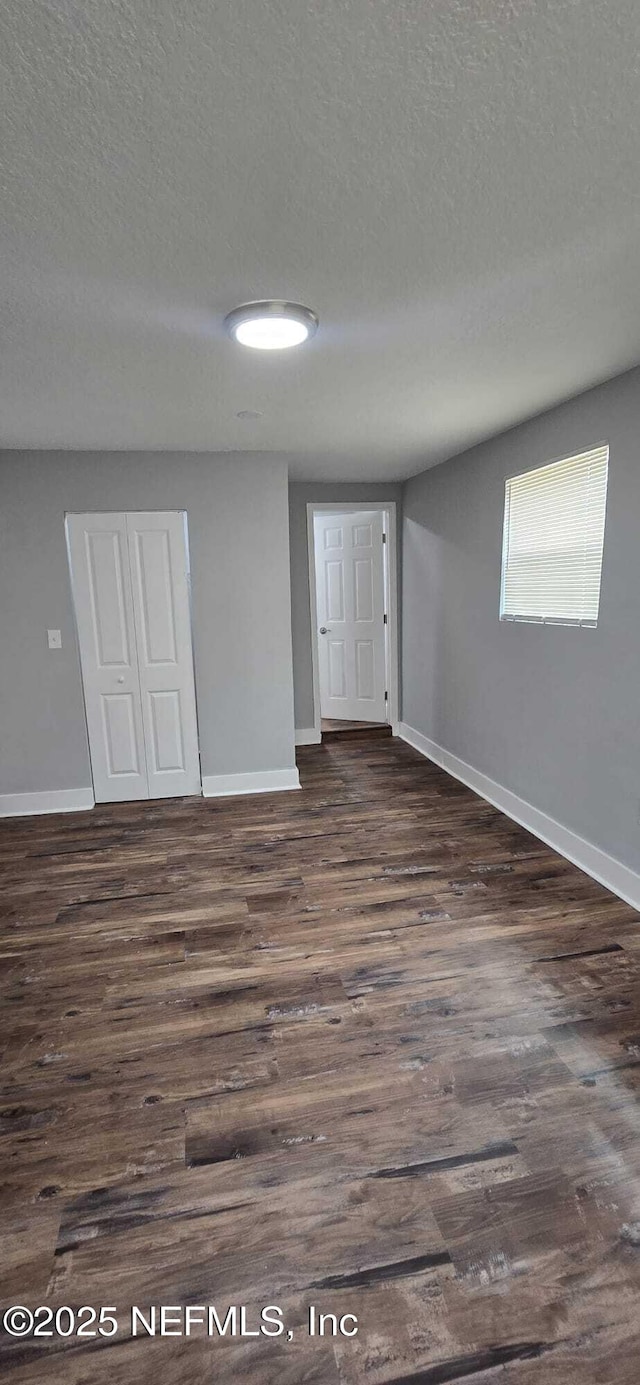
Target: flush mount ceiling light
(272, 325)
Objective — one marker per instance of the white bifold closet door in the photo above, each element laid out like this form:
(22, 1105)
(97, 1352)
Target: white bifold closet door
(129, 575)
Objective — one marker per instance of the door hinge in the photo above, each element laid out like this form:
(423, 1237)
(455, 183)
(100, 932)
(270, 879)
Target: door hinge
(386, 697)
(384, 538)
(384, 619)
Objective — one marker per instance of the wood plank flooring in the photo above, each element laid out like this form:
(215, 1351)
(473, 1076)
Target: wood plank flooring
(332, 728)
(370, 1047)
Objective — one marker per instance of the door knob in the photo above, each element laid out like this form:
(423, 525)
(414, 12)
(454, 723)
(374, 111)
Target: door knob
(121, 678)
(324, 630)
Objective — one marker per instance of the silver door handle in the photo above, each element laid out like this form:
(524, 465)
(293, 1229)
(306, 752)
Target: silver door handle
(324, 630)
(121, 678)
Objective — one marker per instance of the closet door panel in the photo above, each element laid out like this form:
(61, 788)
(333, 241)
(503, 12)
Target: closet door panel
(160, 584)
(101, 581)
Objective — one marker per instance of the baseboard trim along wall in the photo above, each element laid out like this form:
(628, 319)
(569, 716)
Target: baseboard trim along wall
(308, 736)
(22, 805)
(261, 781)
(598, 864)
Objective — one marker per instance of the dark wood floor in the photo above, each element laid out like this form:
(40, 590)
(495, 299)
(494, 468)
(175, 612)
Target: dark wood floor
(370, 1047)
(333, 730)
(332, 727)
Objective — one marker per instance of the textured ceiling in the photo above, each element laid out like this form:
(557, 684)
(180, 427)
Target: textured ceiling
(453, 185)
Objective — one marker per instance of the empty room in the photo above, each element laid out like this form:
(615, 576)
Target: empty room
(320, 692)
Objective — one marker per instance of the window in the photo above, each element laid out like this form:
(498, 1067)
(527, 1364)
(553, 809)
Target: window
(552, 541)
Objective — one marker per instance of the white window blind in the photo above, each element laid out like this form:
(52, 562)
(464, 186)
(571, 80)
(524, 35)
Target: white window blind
(553, 541)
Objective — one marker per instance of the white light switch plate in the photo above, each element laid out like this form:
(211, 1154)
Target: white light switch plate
(54, 639)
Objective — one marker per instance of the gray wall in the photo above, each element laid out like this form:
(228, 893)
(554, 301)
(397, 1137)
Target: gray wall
(302, 494)
(550, 712)
(238, 530)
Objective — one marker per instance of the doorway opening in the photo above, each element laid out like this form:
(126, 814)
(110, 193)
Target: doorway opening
(353, 590)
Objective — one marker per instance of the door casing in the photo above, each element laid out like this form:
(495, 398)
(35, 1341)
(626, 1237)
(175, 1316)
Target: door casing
(388, 510)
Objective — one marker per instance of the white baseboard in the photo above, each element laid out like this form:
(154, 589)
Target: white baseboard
(260, 781)
(22, 805)
(308, 736)
(606, 869)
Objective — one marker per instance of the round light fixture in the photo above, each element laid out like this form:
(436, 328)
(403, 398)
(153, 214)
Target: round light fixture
(272, 325)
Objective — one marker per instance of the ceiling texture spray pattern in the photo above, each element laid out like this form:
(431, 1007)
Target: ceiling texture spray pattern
(453, 186)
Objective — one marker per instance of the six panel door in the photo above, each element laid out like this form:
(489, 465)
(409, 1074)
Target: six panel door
(350, 605)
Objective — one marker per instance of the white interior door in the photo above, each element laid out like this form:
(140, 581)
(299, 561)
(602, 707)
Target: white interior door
(158, 554)
(350, 605)
(100, 574)
(130, 587)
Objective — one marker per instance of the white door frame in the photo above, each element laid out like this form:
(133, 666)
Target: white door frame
(388, 510)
